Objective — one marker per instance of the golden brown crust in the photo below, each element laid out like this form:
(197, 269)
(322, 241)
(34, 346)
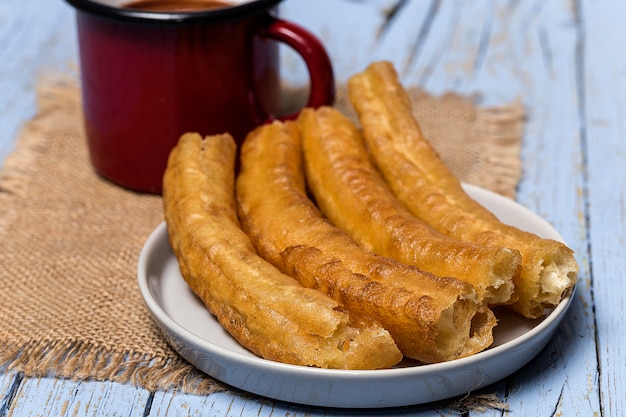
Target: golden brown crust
(266, 311)
(422, 182)
(351, 193)
(431, 318)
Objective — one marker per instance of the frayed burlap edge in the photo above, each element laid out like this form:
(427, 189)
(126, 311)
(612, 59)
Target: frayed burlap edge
(477, 403)
(81, 361)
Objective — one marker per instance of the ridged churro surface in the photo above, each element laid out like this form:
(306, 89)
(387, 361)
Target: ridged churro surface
(431, 318)
(351, 193)
(267, 311)
(422, 182)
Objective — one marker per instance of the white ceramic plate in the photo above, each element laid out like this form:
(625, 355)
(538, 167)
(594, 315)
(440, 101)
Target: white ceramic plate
(199, 338)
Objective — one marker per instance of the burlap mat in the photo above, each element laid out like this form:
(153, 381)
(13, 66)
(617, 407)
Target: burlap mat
(69, 242)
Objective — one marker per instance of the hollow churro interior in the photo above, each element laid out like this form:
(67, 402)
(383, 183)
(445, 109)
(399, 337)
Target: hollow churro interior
(368, 347)
(547, 277)
(500, 286)
(466, 332)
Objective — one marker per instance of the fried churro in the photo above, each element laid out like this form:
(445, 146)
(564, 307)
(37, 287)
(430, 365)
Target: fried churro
(421, 181)
(431, 318)
(265, 310)
(351, 193)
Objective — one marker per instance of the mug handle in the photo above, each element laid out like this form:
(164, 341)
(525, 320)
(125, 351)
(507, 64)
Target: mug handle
(307, 45)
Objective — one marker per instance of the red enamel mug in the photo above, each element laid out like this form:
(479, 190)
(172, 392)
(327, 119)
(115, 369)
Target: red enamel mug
(152, 70)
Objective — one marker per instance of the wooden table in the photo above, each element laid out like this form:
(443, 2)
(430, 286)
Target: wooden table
(565, 60)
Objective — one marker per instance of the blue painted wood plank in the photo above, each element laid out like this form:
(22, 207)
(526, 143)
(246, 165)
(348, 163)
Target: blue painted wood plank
(9, 384)
(605, 94)
(37, 40)
(57, 397)
(348, 29)
(402, 34)
(452, 49)
(552, 186)
(228, 404)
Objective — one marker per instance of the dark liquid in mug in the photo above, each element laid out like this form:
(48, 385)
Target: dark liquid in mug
(176, 5)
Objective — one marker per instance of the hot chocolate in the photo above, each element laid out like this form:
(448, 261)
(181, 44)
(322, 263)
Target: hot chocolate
(176, 5)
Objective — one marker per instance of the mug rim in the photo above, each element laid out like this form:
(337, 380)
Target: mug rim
(149, 16)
